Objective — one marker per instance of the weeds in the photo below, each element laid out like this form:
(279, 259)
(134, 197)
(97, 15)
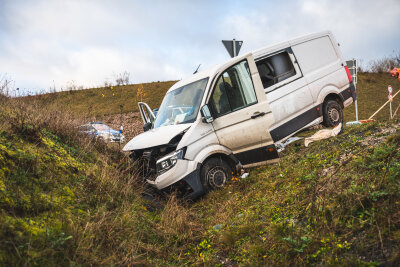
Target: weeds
(68, 200)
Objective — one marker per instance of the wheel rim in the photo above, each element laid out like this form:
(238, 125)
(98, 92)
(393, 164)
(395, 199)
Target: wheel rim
(216, 177)
(334, 115)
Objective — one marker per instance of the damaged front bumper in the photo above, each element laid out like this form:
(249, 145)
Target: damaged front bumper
(185, 171)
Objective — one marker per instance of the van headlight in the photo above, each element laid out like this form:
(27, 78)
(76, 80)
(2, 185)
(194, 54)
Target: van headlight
(169, 161)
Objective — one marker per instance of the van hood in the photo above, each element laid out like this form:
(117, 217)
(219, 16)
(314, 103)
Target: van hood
(156, 137)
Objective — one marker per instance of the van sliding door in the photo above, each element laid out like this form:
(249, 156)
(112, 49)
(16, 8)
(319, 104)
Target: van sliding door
(287, 91)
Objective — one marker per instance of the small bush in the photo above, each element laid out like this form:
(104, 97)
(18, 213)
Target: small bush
(385, 63)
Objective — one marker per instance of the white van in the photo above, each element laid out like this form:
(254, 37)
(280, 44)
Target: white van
(230, 116)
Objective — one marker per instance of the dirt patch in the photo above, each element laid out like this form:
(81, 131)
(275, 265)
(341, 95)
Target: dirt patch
(380, 136)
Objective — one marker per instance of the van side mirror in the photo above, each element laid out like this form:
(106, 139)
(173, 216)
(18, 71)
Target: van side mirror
(147, 126)
(205, 112)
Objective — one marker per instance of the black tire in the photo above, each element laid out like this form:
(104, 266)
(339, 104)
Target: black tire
(333, 113)
(215, 173)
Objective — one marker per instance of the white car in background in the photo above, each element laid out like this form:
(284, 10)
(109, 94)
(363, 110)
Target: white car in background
(102, 131)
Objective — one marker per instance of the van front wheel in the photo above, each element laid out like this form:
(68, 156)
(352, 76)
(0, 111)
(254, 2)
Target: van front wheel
(215, 173)
(333, 113)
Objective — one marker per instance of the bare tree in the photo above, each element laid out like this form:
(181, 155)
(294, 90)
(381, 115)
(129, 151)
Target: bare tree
(6, 85)
(122, 78)
(361, 65)
(385, 63)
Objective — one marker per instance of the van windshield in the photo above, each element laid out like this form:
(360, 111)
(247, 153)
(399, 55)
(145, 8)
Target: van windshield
(181, 105)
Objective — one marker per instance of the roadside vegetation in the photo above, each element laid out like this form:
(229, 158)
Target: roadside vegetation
(372, 93)
(98, 102)
(66, 199)
(89, 103)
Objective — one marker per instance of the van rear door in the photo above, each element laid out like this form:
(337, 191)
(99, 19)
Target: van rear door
(242, 115)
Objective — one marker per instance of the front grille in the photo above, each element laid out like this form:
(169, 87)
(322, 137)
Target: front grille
(149, 164)
(147, 155)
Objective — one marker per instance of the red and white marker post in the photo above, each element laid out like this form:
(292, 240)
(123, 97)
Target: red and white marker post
(390, 89)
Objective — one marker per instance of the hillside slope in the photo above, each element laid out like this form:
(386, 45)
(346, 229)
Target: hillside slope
(97, 102)
(371, 89)
(67, 200)
(121, 109)
(372, 94)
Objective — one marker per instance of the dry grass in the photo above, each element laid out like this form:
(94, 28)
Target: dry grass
(178, 219)
(106, 218)
(372, 93)
(98, 102)
(333, 203)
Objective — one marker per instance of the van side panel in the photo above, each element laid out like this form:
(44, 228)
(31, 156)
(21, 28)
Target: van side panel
(290, 101)
(315, 54)
(335, 82)
(321, 63)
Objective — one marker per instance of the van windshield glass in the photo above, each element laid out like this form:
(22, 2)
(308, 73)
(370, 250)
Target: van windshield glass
(181, 105)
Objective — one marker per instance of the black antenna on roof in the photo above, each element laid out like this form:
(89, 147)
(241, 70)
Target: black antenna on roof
(197, 69)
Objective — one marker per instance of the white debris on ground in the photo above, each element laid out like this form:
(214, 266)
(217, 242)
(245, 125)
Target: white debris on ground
(323, 134)
(244, 175)
(280, 146)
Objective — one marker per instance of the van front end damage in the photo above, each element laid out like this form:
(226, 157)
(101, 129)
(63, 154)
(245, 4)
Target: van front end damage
(166, 168)
(184, 176)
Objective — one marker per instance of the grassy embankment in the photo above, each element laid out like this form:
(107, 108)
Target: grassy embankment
(372, 94)
(67, 200)
(105, 101)
(371, 88)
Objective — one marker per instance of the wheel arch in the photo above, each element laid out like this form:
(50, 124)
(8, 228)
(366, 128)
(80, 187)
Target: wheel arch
(232, 164)
(217, 151)
(333, 96)
(329, 92)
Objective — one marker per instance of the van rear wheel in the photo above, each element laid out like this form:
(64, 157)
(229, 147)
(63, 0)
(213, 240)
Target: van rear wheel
(215, 173)
(333, 113)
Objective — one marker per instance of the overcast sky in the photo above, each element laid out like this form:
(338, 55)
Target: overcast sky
(91, 41)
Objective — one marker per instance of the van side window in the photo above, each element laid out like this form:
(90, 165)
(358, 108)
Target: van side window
(233, 90)
(275, 69)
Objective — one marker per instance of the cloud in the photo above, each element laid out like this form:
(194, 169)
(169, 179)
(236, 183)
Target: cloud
(92, 41)
(365, 29)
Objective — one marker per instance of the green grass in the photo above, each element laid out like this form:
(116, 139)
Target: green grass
(371, 89)
(334, 203)
(67, 200)
(372, 94)
(105, 101)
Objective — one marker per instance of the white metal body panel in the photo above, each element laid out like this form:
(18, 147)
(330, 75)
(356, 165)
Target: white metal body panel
(197, 138)
(180, 170)
(321, 72)
(289, 101)
(314, 54)
(155, 137)
(237, 130)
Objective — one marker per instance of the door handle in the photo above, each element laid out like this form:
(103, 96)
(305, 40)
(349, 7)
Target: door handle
(258, 114)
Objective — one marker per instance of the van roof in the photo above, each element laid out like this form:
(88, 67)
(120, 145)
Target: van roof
(256, 53)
